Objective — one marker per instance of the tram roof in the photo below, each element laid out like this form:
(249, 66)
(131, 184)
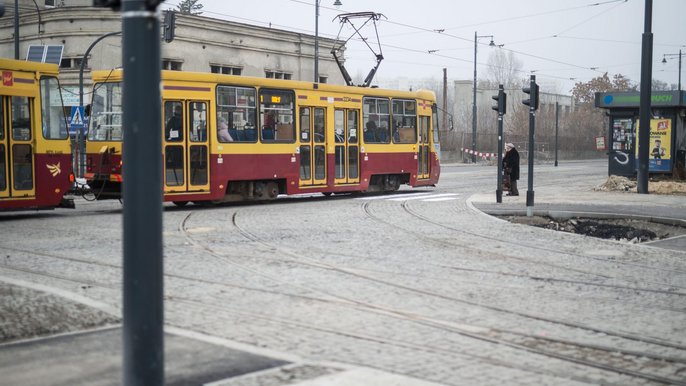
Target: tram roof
(24, 65)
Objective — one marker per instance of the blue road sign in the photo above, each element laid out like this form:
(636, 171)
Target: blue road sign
(76, 119)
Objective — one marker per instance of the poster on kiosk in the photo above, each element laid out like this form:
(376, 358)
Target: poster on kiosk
(660, 142)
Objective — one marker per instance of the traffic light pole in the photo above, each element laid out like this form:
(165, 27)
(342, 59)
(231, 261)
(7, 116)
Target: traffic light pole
(501, 98)
(143, 336)
(532, 102)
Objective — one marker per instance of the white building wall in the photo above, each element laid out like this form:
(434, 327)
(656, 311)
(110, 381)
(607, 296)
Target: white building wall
(199, 42)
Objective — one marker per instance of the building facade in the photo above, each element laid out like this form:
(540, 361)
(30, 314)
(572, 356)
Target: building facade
(201, 44)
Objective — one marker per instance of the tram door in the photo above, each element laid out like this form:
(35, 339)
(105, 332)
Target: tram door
(186, 148)
(423, 158)
(346, 125)
(312, 146)
(16, 148)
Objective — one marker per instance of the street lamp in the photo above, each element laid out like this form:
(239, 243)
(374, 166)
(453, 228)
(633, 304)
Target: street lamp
(664, 60)
(337, 4)
(491, 44)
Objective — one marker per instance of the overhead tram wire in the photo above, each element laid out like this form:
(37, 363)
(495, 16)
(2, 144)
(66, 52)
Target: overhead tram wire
(434, 31)
(538, 14)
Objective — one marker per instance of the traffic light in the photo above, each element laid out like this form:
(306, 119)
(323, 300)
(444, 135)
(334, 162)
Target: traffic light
(501, 100)
(114, 4)
(169, 25)
(532, 90)
(150, 5)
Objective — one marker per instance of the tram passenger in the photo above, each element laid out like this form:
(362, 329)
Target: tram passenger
(370, 131)
(174, 126)
(511, 167)
(339, 135)
(223, 130)
(382, 134)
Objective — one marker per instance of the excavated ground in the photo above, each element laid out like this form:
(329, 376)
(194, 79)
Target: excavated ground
(629, 230)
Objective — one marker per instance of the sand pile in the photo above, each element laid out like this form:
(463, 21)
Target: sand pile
(623, 184)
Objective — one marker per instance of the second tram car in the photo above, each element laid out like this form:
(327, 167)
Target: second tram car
(233, 138)
(35, 151)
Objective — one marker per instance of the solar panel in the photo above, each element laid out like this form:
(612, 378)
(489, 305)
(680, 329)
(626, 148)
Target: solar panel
(45, 54)
(35, 53)
(53, 54)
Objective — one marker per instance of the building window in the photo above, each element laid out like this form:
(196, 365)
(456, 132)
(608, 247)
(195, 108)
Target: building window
(323, 79)
(223, 69)
(49, 3)
(277, 75)
(174, 65)
(73, 63)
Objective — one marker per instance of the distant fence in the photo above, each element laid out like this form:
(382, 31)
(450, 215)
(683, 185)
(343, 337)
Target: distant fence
(569, 148)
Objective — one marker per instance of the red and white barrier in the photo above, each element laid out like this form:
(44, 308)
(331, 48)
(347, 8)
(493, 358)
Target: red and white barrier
(478, 153)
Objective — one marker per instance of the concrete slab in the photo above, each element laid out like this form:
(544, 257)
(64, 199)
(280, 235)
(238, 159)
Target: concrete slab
(364, 377)
(94, 358)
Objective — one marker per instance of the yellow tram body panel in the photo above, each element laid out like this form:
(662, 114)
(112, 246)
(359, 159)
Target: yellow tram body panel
(316, 140)
(35, 152)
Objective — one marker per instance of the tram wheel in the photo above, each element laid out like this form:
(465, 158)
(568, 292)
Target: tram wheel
(327, 194)
(180, 203)
(272, 190)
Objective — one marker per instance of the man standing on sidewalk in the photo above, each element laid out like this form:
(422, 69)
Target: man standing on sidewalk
(511, 167)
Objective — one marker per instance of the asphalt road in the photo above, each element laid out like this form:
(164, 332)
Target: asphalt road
(420, 284)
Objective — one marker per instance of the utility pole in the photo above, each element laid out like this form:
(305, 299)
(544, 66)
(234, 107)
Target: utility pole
(644, 110)
(557, 124)
(142, 188)
(16, 29)
(143, 334)
(444, 122)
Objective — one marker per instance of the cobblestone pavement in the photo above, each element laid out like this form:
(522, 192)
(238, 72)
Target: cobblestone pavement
(419, 284)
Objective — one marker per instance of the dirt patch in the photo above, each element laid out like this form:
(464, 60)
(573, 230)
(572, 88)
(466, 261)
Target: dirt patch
(629, 230)
(656, 185)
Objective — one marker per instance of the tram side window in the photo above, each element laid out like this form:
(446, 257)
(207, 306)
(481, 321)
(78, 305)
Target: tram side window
(198, 122)
(376, 116)
(173, 121)
(277, 111)
(237, 111)
(106, 112)
(404, 121)
(52, 112)
(21, 119)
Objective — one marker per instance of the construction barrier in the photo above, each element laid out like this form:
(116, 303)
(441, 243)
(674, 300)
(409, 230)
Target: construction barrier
(479, 154)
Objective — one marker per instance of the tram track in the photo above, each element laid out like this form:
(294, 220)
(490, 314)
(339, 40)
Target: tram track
(495, 255)
(592, 355)
(523, 345)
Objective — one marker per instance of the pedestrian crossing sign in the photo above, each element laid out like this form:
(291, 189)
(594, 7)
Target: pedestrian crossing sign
(76, 121)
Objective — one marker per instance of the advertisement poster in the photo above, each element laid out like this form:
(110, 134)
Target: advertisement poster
(660, 142)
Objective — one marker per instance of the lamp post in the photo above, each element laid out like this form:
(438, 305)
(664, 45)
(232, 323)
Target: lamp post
(337, 4)
(491, 44)
(664, 60)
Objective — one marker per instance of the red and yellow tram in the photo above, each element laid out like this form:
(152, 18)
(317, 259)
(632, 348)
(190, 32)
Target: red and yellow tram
(35, 151)
(233, 138)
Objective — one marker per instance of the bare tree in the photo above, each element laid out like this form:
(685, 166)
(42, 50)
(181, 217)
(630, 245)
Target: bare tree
(190, 7)
(503, 68)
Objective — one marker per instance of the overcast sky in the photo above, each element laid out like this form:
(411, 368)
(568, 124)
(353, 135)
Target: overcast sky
(561, 41)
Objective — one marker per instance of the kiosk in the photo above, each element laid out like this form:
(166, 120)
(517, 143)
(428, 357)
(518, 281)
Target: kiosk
(667, 131)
